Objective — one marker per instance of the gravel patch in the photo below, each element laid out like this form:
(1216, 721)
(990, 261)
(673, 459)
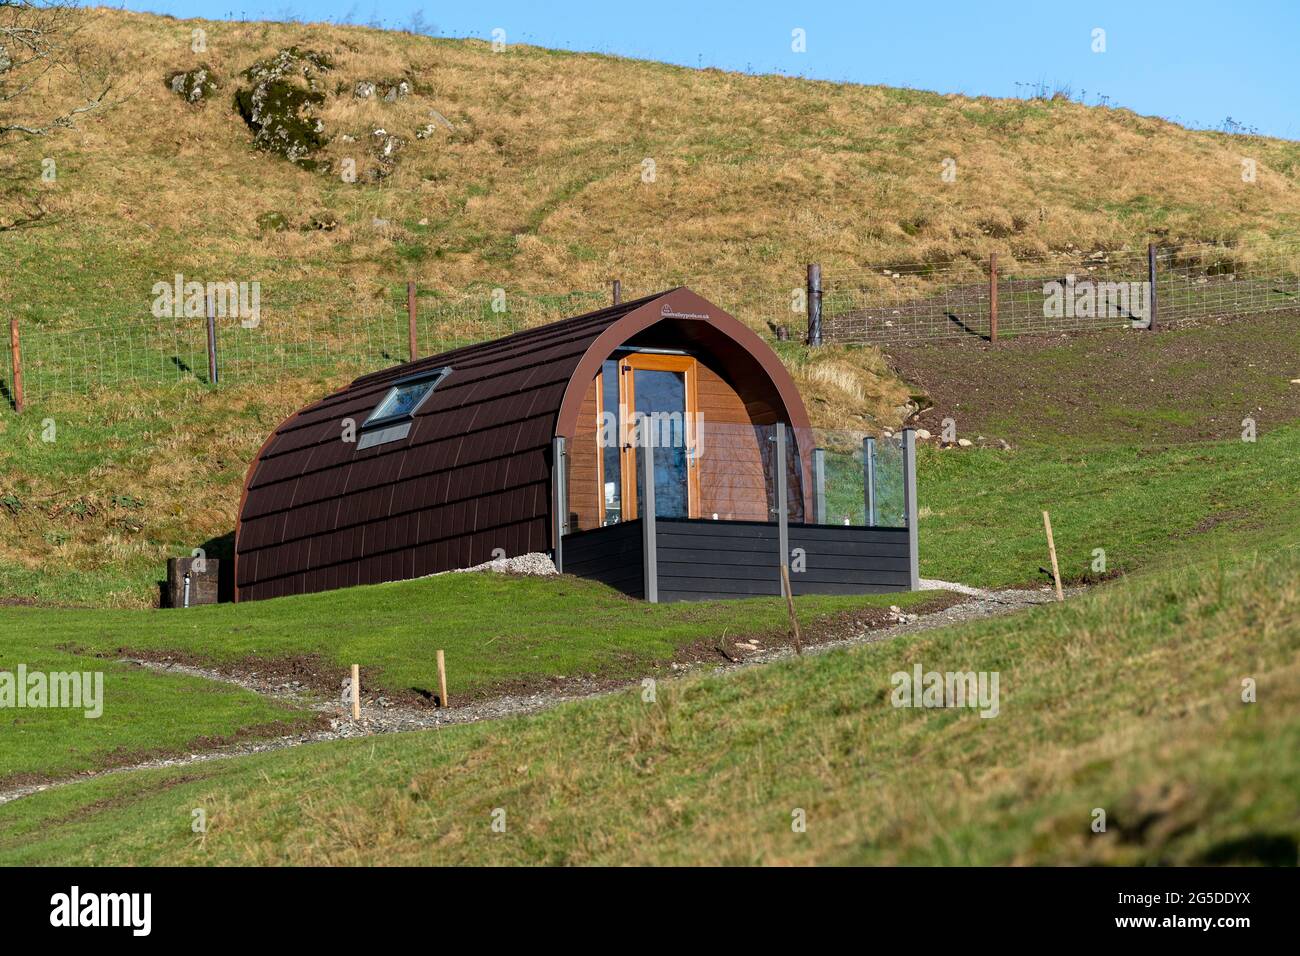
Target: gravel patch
(533, 563)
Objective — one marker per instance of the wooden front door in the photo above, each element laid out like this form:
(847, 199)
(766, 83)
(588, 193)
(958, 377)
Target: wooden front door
(660, 392)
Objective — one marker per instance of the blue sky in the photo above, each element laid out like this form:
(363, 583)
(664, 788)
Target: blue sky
(1193, 62)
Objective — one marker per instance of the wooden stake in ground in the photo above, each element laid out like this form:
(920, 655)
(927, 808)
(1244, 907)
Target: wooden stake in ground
(1051, 546)
(16, 356)
(789, 603)
(442, 679)
(356, 691)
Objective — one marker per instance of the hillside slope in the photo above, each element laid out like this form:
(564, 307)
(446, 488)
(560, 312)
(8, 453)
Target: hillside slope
(531, 176)
(1128, 699)
(524, 170)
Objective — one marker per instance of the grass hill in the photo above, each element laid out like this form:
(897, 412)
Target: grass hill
(521, 169)
(1128, 699)
(535, 180)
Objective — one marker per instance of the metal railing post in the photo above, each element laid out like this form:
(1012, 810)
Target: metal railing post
(782, 502)
(559, 500)
(412, 345)
(910, 509)
(212, 341)
(1151, 280)
(650, 553)
(819, 485)
(869, 479)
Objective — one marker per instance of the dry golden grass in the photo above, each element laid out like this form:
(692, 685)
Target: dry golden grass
(849, 388)
(538, 183)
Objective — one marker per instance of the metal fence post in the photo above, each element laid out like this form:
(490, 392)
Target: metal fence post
(16, 354)
(993, 297)
(910, 509)
(1151, 281)
(814, 303)
(819, 485)
(869, 479)
(212, 341)
(412, 344)
(782, 503)
(559, 499)
(650, 554)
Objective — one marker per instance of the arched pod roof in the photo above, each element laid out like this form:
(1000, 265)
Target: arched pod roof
(473, 474)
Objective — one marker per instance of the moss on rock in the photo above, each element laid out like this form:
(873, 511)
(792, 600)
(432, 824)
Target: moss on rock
(281, 104)
(195, 85)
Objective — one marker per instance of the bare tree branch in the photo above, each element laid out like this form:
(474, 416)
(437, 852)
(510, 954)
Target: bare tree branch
(30, 216)
(39, 38)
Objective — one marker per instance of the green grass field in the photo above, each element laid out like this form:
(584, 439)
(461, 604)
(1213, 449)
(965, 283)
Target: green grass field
(145, 714)
(1128, 699)
(1143, 506)
(499, 633)
(982, 525)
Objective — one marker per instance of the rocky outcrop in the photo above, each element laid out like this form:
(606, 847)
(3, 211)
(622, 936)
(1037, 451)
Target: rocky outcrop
(390, 91)
(194, 86)
(281, 105)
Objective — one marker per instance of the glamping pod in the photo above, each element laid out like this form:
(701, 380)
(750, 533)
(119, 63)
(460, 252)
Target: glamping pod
(537, 441)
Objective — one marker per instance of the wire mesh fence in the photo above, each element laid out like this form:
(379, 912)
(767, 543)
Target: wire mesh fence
(270, 329)
(1073, 291)
(284, 331)
(294, 326)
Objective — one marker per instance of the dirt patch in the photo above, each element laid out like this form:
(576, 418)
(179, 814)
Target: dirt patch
(1212, 521)
(1191, 383)
(832, 629)
(122, 800)
(280, 676)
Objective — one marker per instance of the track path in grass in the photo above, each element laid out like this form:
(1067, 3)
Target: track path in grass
(381, 717)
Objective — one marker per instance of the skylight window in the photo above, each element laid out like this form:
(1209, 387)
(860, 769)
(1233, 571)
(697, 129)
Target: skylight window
(405, 398)
(392, 417)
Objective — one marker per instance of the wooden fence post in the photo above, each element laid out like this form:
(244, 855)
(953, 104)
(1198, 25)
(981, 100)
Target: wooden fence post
(993, 297)
(789, 604)
(356, 691)
(16, 353)
(617, 288)
(1051, 546)
(413, 345)
(814, 303)
(1151, 280)
(442, 678)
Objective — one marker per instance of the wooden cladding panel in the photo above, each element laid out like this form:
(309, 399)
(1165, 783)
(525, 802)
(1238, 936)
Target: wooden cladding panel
(732, 481)
(584, 466)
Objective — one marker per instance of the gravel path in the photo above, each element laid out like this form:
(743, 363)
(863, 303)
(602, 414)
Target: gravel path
(382, 716)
